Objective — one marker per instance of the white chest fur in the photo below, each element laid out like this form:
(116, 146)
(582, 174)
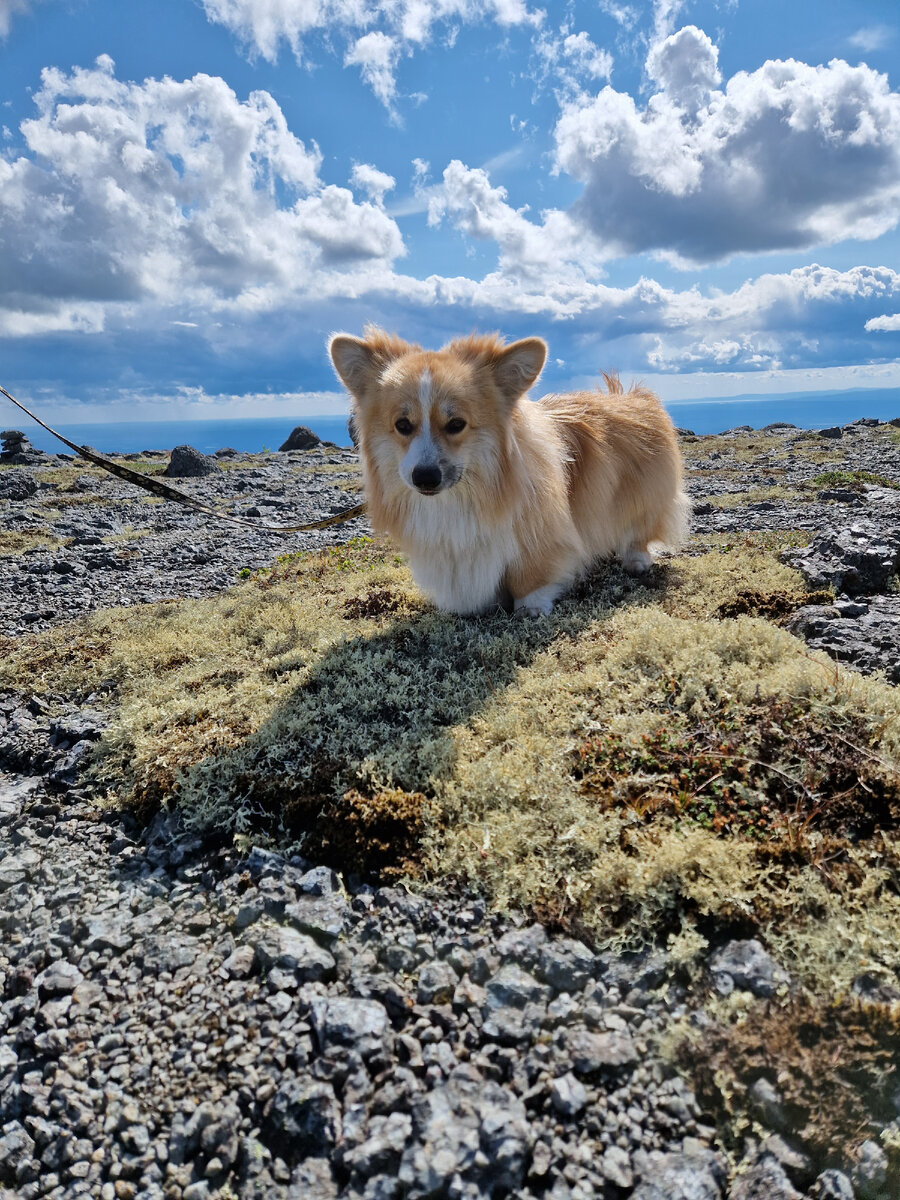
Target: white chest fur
(454, 558)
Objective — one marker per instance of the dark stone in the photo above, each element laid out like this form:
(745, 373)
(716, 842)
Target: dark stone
(766, 1180)
(833, 431)
(303, 1119)
(750, 967)
(682, 1176)
(188, 463)
(301, 438)
(859, 560)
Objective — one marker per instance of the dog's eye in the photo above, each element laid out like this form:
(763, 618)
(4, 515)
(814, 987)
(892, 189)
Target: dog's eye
(404, 426)
(456, 425)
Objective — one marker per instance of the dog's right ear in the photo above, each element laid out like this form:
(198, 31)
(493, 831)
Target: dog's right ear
(353, 360)
(358, 360)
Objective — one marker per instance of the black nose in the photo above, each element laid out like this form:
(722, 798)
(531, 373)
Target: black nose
(426, 479)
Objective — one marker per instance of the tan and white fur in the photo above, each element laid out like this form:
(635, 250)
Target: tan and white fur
(495, 498)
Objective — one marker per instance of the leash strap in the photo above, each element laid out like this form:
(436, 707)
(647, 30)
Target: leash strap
(151, 484)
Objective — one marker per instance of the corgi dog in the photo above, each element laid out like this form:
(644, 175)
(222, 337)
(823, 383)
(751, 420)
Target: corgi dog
(496, 499)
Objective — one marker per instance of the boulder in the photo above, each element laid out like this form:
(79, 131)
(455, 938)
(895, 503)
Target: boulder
(188, 463)
(301, 438)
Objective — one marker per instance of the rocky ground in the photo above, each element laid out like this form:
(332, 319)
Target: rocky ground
(181, 1021)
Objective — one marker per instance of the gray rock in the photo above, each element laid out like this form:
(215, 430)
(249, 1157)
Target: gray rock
(566, 965)
(869, 1176)
(437, 983)
(522, 946)
(313, 1180)
(462, 1127)
(319, 881)
(16, 1149)
(361, 1025)
(767, 1104)
(17, 485)
(108, 931)
(512, 987)
(240, 962)
(868, 640)
(750, 967)
(60, 977)
(188, 463)
(592, 1053)
(795, 1162)
(280, 946)
(858, 560)
(682, 1176)
(616, 1167)
(303, 1118)
(18, 866)
(832, 1185)
(323, 917)
(568, 1095)
(387, 1138)
(833, 431)
(765, 1180)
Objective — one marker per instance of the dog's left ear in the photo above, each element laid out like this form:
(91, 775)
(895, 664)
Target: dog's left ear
(517, 367)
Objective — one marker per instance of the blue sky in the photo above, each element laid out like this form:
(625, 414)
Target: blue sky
(195, 193)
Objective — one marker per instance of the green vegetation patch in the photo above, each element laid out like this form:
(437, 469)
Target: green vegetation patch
(854, 480)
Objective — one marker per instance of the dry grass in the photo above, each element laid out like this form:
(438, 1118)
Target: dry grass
(782, 495)
(13, 542)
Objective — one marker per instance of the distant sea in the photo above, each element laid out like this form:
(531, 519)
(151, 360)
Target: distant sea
(808, 410)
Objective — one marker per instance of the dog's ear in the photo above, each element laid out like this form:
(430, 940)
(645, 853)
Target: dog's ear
(357, 360)
(353, 360)
(517, 367)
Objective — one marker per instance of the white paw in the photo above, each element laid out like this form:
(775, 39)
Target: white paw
(637, 562)
(538, 603)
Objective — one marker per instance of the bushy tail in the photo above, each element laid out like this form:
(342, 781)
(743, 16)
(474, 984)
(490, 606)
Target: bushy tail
(675, 527)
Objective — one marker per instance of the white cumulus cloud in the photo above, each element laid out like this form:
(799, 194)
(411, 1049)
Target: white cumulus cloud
(166, 190)
(783, 158)
(546, 254)
(373, 182)
(889, 323)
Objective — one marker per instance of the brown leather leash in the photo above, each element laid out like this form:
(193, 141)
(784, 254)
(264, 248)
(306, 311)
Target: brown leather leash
(150, 484)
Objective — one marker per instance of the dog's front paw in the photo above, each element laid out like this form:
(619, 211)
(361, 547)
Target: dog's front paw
(538, 603)
(637, 562)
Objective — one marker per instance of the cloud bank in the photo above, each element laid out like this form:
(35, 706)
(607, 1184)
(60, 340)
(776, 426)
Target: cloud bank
(786, 157)
(171, 192)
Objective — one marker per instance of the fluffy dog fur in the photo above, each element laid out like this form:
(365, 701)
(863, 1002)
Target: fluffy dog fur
(495, 498)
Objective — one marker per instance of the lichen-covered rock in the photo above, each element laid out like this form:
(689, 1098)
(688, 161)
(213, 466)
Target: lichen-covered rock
(859, 560)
